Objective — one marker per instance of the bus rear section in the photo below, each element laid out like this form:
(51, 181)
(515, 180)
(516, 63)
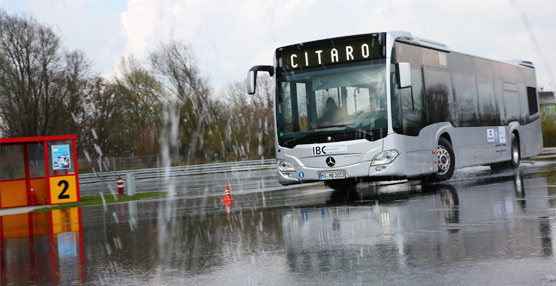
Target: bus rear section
(487, 110)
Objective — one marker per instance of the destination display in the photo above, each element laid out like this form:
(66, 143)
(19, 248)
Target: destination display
(331, 52)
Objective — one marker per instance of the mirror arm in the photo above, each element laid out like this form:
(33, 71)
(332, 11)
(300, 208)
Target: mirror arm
(269, 69)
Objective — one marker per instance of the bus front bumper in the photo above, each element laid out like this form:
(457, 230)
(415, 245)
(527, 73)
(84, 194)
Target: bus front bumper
(361, 170)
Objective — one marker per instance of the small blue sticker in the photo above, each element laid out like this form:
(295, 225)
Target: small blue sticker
(301, 174)
(320, 176)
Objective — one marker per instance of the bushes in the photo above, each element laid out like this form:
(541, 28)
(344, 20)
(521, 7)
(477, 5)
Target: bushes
(549, 131)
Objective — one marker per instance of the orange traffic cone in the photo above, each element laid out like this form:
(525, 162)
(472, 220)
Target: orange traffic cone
(227, 197)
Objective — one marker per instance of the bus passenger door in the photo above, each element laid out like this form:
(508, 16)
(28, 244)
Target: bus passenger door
(413, 116)
(419, 142)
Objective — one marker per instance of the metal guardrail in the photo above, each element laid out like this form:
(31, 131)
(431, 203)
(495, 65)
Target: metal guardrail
(176, 171)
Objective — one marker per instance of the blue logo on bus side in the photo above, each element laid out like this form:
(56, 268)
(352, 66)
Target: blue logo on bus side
(301, 175)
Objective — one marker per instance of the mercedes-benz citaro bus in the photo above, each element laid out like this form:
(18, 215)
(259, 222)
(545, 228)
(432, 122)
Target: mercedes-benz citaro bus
(387, 106)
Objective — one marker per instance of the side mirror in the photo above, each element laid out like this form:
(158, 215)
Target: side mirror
(404, 75)
(252, 77)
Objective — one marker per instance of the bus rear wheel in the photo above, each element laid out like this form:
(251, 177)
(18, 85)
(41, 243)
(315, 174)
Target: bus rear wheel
(516, 155)
(445, 160)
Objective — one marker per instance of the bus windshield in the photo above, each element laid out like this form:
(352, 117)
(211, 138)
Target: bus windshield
(348, 100)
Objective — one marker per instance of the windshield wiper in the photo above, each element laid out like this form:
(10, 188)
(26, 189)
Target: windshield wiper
(368, 133)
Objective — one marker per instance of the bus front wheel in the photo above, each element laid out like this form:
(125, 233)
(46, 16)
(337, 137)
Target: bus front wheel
(445, 160)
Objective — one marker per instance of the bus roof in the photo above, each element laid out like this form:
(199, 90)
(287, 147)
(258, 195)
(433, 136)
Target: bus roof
(407, 37)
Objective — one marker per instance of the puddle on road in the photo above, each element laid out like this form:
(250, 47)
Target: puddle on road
(380, 233)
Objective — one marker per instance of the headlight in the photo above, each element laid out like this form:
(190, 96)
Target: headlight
(385, 157)
(285, 166)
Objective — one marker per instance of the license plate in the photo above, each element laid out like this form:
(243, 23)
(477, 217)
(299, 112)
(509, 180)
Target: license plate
(331, 175)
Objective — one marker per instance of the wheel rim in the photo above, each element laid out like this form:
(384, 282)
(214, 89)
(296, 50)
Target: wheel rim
(444, 160)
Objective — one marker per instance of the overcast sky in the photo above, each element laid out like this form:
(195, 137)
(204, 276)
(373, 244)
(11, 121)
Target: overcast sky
(228, 37)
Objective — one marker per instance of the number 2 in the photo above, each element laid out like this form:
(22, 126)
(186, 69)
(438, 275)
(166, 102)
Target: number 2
(61, 196)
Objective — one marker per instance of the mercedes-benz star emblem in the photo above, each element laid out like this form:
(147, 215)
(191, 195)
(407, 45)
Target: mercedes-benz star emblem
(330, 162)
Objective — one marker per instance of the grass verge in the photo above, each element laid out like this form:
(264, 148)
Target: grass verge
(97, 200)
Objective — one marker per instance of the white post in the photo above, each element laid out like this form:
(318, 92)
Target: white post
(130, 184)
(158, 165)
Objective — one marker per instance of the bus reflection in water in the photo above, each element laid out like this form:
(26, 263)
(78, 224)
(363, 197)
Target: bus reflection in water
(394, 231)
(43, 247)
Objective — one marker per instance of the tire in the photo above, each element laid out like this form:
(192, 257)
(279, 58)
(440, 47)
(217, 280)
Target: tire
(446, 160)
(342, 185)
(515, 157)
(515, 152)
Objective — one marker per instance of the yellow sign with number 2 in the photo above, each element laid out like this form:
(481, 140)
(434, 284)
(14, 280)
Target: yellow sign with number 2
(63, 190)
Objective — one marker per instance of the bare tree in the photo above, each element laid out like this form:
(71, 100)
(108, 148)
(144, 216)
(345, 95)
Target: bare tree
(46, 90)
(40, 84)
(251, 130)
(189, 92)
(140, 96)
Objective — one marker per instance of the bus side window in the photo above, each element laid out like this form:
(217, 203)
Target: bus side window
(407, 99)
(412, 98)
(465, 91)
(417, 86)
(485, 73)
(487, 103)
(438, 94)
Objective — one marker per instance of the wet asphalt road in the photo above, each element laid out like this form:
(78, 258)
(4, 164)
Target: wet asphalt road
(478, 228)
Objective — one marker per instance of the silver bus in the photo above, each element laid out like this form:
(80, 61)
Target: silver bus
(386, 106)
